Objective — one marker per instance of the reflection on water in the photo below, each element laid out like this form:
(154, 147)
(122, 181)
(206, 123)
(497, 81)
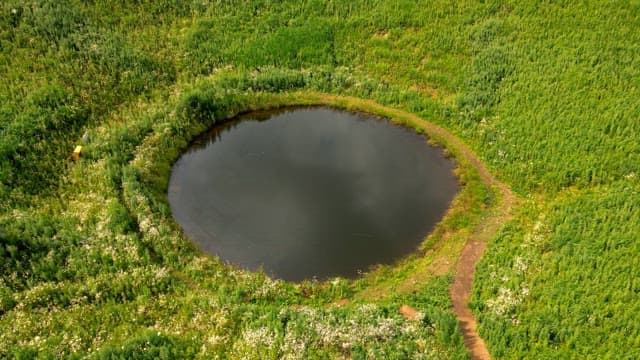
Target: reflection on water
(311, 192)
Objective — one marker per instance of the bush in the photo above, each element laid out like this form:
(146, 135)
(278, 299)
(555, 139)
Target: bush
(149, 345)
(198, 105)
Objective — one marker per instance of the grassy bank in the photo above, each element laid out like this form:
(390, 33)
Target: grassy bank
(120, 254)
(92, 265)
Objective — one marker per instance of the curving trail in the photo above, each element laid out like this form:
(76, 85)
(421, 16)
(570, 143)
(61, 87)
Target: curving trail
(460, 291)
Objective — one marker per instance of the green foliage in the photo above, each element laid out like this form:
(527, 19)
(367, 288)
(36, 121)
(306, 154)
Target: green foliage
(293, 46)
(52, 20)
(567, 109)
(50, 112)
(198, 105)
(488, 69)
(91, 264)
(559, 280)
(571, 270)
(109, 66)
(150, 345)
(36, 248)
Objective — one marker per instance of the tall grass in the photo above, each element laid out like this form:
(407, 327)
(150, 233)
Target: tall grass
(546, 93)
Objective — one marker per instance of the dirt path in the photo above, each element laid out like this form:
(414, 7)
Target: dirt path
(460, 291)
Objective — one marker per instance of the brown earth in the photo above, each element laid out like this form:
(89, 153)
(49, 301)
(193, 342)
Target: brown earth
(409, 313)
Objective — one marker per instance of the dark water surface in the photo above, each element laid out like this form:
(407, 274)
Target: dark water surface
(312, 192)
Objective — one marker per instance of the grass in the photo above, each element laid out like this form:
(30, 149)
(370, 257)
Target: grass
(93, 266)
(129, 253)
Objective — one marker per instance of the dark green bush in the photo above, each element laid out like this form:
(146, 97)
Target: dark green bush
(198, 105)
(488, 70)
(150, 345)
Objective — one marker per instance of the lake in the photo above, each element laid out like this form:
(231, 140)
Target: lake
(311, 192)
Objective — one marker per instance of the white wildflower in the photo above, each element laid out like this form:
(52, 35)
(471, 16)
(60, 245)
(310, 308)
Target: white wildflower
(153, 231)
(259, 337)
(293, 347)
(144, 224)
(216, 339)
(520, 264)
(268, 288)
(161, 273)
(506, 300)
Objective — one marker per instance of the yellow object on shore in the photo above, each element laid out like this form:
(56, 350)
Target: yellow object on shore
(76, 152)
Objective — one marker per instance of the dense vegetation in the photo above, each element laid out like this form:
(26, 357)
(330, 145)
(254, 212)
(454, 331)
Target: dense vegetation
(92, 264)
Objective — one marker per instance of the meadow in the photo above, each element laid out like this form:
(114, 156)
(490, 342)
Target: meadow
(547, 94)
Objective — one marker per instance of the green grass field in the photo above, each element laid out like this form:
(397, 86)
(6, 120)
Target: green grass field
(92, 265)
